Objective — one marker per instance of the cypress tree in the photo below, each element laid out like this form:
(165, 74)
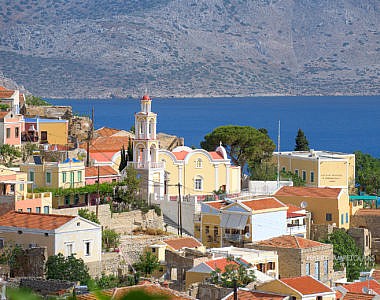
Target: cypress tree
(302, 143)
(123, 160)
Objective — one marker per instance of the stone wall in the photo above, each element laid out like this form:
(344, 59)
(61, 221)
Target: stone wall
(362, 237)
(123, 223)
(320, 232)
(30, 263)
(46, 287)
(53, 112)
(209, 291)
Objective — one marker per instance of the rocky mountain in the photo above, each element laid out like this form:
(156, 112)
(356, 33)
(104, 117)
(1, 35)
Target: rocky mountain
(119, 48)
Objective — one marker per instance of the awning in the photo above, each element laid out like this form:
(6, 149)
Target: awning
(235, 221)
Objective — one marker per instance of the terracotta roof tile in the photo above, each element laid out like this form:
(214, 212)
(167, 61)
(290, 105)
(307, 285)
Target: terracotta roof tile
(357, 287)
(253, 295)
(289, 241)
(103, 171)
(106, 131)
(107, 144)
(2, 88)
(6, 94)
(216, 155)
(264, 203)
(357, 296)
(102, 156)
(180, 155)
(217, 204)
(179, 243)
(368, 212)
(33, 220)
(308, 192)
(306, 285)
(221, 263)
(293, 211)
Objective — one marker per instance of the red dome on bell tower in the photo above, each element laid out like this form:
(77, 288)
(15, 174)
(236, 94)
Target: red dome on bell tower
(146, 97)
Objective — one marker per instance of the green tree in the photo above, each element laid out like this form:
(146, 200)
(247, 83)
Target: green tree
(126, 192)
(302, 143)
(107, 281)
(297, 180)
(147, 264)
(27, 150)
(123, 159)
(89, 215)
(264, 171)
(347, 254)
(244, 145)
(36, 101)
(232, 273)
(66, 268)
(110, 238)
(367, 171)
(8, 154)
(130, 150)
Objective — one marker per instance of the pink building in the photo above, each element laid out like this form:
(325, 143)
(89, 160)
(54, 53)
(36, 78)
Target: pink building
(104, 173)
(10, 128)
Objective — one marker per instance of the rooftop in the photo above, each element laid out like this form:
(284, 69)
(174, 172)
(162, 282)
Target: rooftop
(185, 242)
(314, 154)
(221, 263)
(315, 192)
(263, 203)
(253, 295)
(306, 285)
(289, 241)
(103, 171)
(33, 220)
(359, 287)
(368, 212)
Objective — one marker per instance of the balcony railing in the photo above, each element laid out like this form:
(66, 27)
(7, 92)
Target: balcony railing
(146, 165)
(233, 237)
(294, 229)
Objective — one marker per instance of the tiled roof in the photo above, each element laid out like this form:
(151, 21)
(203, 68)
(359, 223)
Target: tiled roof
(220, 263)
(306, 285)
(293, 211)
(2, 88)
(357, 287)
(6, 94)
(103, 171)
(179, 243)
(180, 155)
(106, 131)
(34, 220)
(216, 155)
(308, 192)
(253, 295)
(102, 156)
(368, 212)
(289, 241)
(357, 296)
(151, 289)
(107, 144)
(3, 114)
(265, 203)
(217, 204)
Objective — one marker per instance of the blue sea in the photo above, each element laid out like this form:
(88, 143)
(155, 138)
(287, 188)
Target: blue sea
(334, 123)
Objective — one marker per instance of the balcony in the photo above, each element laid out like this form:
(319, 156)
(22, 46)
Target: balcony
(146, 165)
(233, 237)
(294, 229)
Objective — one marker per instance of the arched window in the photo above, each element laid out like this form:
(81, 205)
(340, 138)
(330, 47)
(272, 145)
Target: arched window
(198, 183)
(198, 163)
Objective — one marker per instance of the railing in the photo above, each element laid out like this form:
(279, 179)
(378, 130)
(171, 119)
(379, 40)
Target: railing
(293, 229)
(146, 165)
(234, 237)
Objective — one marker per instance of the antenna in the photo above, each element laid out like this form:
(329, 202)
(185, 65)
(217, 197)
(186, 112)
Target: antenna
(278, 154)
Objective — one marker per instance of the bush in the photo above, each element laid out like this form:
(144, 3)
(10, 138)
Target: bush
(110, 239)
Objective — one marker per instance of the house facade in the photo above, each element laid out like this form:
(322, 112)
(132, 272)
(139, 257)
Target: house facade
(101, 174)
(12, 98)
(49, 131)
(238, 221)
(300, 257)
(326, 205)
(58, 233)
(320, 168)
(10, 128)
(67, 174)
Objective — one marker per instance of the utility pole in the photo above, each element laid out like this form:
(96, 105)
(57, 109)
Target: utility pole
(179, 210)
(90, 135)
(97, 197)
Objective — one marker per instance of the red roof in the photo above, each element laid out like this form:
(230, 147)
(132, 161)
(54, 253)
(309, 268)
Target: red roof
(217, 204)
(146, 97)
(180, 243)
(221, 263)
(368, 212)
(106, 131)
(358, 287)
(2, 88)
(103, 171)
(314, 192)
(253, 295)
(6, 94)
(293, 211)
(180, 155)
(289, 241)
(33, 220)
(107, 144)
(265, 203)
(357, 296)
(306, 285)
(216, 155)
(102, 156)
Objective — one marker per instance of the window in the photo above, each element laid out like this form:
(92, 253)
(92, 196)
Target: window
(198, 163)
(1, 243)
(48, 177)
(44, 136)
(328, 217)
(296, 172)
(17, 132)
(76, 198)
(311, 176)
(304, 175)
(346, 217)
(198, 184)
(87, 246)
(21, 187)
(326, 267)
(64, 177)
(67, 199)
(29, 210)
(207, 229)
(316, 270)
(31, 175)
(216, 231)
(8, 133)
(307, 268)
(69, 249)
(38, 210)
(342, 219)
(153, 250)
(283, 169)
(79, 176)
(46, 209)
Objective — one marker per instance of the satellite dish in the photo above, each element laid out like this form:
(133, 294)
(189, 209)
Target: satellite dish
(247, 235)
(303, 204)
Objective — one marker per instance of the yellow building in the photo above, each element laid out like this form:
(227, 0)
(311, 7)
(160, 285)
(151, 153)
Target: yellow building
(199, 172)
(327, 205)
(320, 168)
(67, 174)
(51, 131)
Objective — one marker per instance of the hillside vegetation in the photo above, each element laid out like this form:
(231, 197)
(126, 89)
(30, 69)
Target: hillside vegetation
(119, 48)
